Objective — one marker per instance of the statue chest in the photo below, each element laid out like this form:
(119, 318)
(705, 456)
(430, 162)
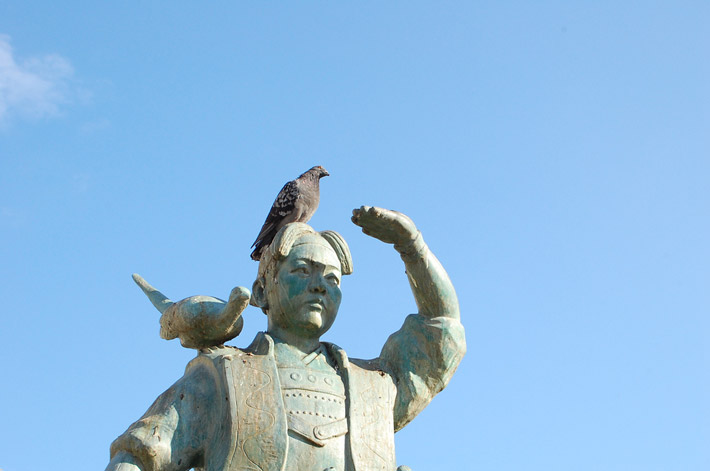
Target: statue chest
(281, 415)
(313, 397)
(314, 403)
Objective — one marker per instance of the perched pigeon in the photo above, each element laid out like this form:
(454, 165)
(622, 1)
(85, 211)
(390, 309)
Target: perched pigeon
(296, 202)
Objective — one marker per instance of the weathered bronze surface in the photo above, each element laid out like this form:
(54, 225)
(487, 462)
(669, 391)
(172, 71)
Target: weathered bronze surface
(290, 401)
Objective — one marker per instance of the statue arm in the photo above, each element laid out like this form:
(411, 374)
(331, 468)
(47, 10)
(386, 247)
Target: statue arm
(432, 289)
(124, 461)
(423, 355)
(171, 434)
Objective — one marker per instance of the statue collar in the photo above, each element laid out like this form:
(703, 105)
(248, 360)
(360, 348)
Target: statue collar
(263, 344)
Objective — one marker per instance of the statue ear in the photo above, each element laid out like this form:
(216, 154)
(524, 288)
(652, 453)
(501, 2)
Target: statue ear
(258, 295)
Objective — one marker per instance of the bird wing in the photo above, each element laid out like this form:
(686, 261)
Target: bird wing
(282, 210)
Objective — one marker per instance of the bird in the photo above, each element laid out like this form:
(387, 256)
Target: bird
(296, 202)
(198, 321)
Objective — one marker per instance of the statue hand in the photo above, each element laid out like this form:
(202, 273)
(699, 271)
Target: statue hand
(391, 227)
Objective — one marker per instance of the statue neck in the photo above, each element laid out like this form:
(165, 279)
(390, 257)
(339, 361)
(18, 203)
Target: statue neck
(303, 345)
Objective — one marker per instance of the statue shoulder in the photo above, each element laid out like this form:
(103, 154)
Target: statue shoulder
(211, 358)
(376, 365)
(260, 347)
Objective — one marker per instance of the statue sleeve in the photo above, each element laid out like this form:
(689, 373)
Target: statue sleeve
(422, 356)
(172, 434)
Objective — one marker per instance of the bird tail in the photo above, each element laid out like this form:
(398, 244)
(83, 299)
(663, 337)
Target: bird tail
(159, 300)
(256, 254)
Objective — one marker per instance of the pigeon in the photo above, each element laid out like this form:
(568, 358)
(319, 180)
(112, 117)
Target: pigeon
(296, 202)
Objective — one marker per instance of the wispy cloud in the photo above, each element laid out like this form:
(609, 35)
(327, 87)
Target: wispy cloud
(34, 87)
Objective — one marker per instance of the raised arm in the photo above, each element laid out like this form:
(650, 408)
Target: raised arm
(433, 291)
(422, 355)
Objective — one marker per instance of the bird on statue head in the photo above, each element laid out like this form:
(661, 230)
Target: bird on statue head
(296, 202)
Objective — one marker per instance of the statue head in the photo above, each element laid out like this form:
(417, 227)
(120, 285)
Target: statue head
(298, 284)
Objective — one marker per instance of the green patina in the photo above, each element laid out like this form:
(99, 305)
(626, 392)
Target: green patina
(290, 401)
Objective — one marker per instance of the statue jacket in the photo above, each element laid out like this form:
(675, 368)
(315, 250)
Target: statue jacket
(227, 412)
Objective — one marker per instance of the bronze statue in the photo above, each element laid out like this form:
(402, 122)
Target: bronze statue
(290, 401)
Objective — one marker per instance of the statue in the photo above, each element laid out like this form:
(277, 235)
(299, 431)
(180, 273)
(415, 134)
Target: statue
(290, 401)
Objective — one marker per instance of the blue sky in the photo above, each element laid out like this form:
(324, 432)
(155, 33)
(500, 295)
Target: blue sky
(555, 155)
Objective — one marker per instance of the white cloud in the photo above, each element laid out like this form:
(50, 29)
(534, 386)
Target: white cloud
(35, 87)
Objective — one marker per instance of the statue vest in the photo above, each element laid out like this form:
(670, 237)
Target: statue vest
(254, 432)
